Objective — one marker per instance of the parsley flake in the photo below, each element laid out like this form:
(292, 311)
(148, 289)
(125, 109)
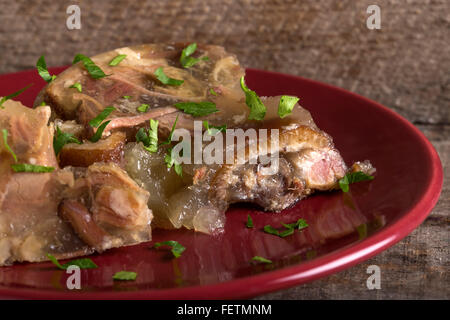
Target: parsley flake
(13, 95)
(143, 107)
(289, 228)
(197, 109)
(286, 105)
(84, 263)
(177, 249)
(94, 71)
(117, 59)
(125, 276)
(353, 177)
(261, 259)
(213, 130)
(186, 60)
(249, 223)
(26, 167)
(77, 86)
(41, 67)
(5, 142)
(62, 138)
(101, 116)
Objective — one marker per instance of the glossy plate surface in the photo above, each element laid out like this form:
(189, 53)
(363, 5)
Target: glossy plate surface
(345, 229)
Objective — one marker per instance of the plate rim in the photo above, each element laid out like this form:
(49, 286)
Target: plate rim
(253, 285)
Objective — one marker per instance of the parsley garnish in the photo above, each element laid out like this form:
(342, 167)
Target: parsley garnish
(12, 95)
(125, 276)
(84, 263)
(186, 60)
(213, 130)
(164, 79)
(101, 116)
(212, 92)
(352, 178)
(62, 138)
(289, 228)
(257, 108)
(249, 223)
(26, 167)
(77, 86)
(177, 249)
(286, 105)
(5, 142)
(197, 109)
(98, 134)
(143, 107)
(41, 67)
(170, 161)
(150, 140)
(261, 259)
(117, 59)
(94, 71)
(126, 97)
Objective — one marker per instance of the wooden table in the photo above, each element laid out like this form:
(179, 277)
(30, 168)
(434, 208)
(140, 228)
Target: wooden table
(405, 65)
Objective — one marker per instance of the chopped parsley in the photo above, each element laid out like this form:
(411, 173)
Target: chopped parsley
(170, 161)
(143, 107)
(126, 97)
(94, 71)
(26, 167)
(169, 139)
(5, 142)
(261, 259)
(177, 249)
(125, 276)
(77, 86)
(353, 177)
(13, 95)
(212, 92)
(249, 223)
(117, 59)
(98, 134)
(84, 263)
(289, 228)
(62, 138)
(257, 108)
(186, 60)
(150, 140)
(213, 130)
(164, 79)
(197, 109)
(98, 123)
(41, 67)
(286, 105)
(101, 116)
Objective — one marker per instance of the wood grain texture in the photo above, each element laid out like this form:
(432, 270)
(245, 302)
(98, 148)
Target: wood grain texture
(405, 66)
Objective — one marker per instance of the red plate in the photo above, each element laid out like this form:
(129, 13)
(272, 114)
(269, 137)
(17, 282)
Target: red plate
(344, 230)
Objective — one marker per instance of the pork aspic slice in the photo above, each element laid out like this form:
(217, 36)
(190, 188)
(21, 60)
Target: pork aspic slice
(67, 212)
(308, 160)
